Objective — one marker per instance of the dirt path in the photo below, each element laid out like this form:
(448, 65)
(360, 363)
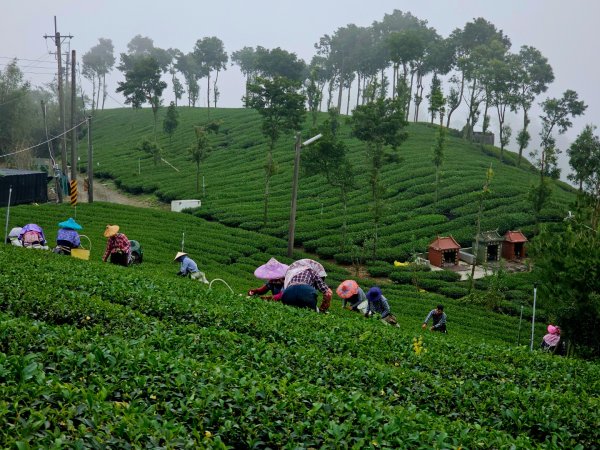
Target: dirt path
(107, 191)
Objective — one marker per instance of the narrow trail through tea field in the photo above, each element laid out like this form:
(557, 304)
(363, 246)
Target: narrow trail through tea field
(106, 191)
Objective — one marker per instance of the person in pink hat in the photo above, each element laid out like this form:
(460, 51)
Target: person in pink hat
(353, 297)
(274, 272)
(551, 342)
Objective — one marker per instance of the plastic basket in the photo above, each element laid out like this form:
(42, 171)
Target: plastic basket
(82, 253)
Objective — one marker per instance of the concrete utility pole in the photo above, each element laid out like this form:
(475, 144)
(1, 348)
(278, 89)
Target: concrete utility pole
(58, 42)
(90, 167)
(292, 224)
(73, 112)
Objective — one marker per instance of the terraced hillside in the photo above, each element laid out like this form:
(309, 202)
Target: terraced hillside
(234, 179)
(94, 355)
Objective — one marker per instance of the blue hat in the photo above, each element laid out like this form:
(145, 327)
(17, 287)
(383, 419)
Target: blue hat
(71, 224)
(374, 294)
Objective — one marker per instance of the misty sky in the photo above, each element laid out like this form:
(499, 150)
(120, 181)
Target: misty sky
(564, 31)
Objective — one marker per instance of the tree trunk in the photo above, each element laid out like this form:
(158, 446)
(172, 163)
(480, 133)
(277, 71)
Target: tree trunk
(215, 92)
(522, 147)
(208, 93)
(462, 89)
(394, 79)
(469, 131)
(198, 177)
(104, 91)
(348, 100)
(358, 90)
(339, 103)
(98, 93)
(412, 76)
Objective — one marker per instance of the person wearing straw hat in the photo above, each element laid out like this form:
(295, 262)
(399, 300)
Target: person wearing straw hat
(274, 272)
(67, 237)
(189, 268)
(302, 281)
(377, 303)
(118, 247)
(352, 295)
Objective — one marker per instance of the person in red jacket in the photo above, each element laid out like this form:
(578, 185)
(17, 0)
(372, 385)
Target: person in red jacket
(118, 247)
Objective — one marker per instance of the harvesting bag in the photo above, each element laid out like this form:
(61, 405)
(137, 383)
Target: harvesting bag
(81, 252)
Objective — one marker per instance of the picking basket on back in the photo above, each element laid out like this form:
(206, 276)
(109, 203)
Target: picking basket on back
(82, 252)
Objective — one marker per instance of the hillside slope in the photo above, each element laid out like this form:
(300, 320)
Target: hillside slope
(234, 183)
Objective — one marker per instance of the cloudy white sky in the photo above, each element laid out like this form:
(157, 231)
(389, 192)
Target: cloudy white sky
(564, 31)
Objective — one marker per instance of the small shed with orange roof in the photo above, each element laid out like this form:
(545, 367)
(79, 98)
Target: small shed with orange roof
(514, 245)
(443, 251)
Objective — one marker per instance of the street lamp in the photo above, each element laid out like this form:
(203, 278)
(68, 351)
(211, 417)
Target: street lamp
(292, 226)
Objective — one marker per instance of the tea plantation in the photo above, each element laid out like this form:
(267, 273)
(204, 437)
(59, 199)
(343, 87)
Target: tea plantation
(94, 355)
(234, 183)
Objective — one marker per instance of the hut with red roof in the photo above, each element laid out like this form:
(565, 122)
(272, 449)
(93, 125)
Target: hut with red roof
(514, 245)
(443, 251)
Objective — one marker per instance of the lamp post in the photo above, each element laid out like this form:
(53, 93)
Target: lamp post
(292, 226)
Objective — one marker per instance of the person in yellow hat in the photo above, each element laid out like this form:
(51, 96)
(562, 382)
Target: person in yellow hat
(189, 268)
(118, 247)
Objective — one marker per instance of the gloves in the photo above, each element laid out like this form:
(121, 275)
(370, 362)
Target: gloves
(250, 292)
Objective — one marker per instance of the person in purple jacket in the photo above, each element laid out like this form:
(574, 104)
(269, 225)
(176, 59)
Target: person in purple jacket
(67, 237)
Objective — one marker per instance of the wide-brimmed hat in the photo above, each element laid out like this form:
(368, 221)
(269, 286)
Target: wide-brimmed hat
(111, 230)
(179, 255)
(272, 270)
(374, 294)
(300, 266)
(347, 289)
(70, 224)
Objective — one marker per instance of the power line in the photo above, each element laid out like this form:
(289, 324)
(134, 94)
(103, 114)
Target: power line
(28, 60)
(46, 141)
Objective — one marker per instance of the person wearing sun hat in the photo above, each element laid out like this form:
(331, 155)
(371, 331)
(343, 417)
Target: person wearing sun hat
(377, 303)
(189, 268)
(118, 247)
(302, 281)
(274, 273)
(67, 237)
(352, 295)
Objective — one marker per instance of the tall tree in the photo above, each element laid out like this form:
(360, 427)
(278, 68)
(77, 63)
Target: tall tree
(380, 124)
(533, 77)
(210, 54)
(142, 83)
(557, 114)
(473, 50)
(584, 159)
(96, 64)
(436, 99)
(13, 106)
(500, 79)
(200, 150)
(245, 58)
(171, 121)
(282, 107)
(280, 63)
(438, 157)
(187, 66)
(481, 196)
(178, 89)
